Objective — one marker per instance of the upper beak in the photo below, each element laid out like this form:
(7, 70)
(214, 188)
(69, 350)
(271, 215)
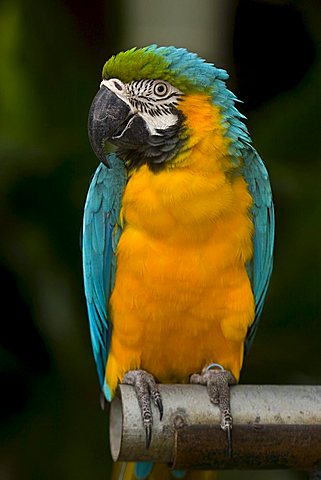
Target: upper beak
(108, 114)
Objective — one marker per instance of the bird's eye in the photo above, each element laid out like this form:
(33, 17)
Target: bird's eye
(160, 89)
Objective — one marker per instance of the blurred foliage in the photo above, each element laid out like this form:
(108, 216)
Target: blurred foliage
(285, 129)
(50, 59)
(48, 78)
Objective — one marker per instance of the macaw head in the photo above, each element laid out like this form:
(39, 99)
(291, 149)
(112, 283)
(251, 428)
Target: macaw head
(155, 102)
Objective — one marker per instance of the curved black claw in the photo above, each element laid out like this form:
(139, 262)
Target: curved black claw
(228, 430)
(145, 388)
(148, 433)
(217, 382)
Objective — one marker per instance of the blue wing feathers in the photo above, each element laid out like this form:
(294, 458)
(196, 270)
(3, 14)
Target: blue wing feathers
(260, 268)
(101, 217)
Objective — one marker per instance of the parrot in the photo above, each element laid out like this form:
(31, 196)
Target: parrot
(178, 234)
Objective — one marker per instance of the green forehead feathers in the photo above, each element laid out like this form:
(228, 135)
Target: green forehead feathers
(135, 65)
(184, 70)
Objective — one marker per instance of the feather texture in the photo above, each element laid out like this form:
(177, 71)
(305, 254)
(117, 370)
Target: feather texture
(101, 231)
(260, 267)
(187, 217)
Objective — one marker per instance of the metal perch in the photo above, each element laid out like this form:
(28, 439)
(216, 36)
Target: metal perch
(274, 427)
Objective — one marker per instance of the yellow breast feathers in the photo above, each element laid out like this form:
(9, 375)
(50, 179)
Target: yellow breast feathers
(182, 298)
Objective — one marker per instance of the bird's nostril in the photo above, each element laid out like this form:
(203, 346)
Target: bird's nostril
(118, 86)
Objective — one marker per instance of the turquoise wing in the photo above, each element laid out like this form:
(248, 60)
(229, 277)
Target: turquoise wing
(101, 232)
(260, 268)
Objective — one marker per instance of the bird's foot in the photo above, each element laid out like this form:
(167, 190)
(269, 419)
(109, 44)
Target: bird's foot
(145, 388)
(217, 381)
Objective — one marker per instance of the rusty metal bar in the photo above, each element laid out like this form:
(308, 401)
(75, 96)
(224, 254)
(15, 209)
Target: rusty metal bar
(274, 427)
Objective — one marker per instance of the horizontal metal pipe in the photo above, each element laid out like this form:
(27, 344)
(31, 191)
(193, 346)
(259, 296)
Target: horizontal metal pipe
(274, 427)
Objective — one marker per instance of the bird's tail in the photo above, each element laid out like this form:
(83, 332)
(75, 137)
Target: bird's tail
(150, 471)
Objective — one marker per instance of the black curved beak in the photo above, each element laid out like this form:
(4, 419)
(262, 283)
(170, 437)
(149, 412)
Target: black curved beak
(108, 115)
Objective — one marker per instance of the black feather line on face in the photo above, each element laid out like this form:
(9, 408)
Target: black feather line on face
(152, 108)
(142, 97)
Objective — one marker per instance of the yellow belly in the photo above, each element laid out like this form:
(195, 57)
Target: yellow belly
(182, 298)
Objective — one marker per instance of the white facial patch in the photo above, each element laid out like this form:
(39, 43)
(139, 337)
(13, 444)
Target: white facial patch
(159, 123)
(153, 100)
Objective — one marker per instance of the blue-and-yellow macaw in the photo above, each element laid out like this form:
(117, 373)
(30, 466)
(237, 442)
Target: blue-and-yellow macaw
(178, 232)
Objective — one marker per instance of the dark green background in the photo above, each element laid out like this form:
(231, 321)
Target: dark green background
(51, 54)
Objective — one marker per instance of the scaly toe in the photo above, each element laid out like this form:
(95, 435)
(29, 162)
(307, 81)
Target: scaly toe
(217, 381)
(145, 389)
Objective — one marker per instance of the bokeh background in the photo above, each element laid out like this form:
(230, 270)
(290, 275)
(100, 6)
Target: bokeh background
(51, 55)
